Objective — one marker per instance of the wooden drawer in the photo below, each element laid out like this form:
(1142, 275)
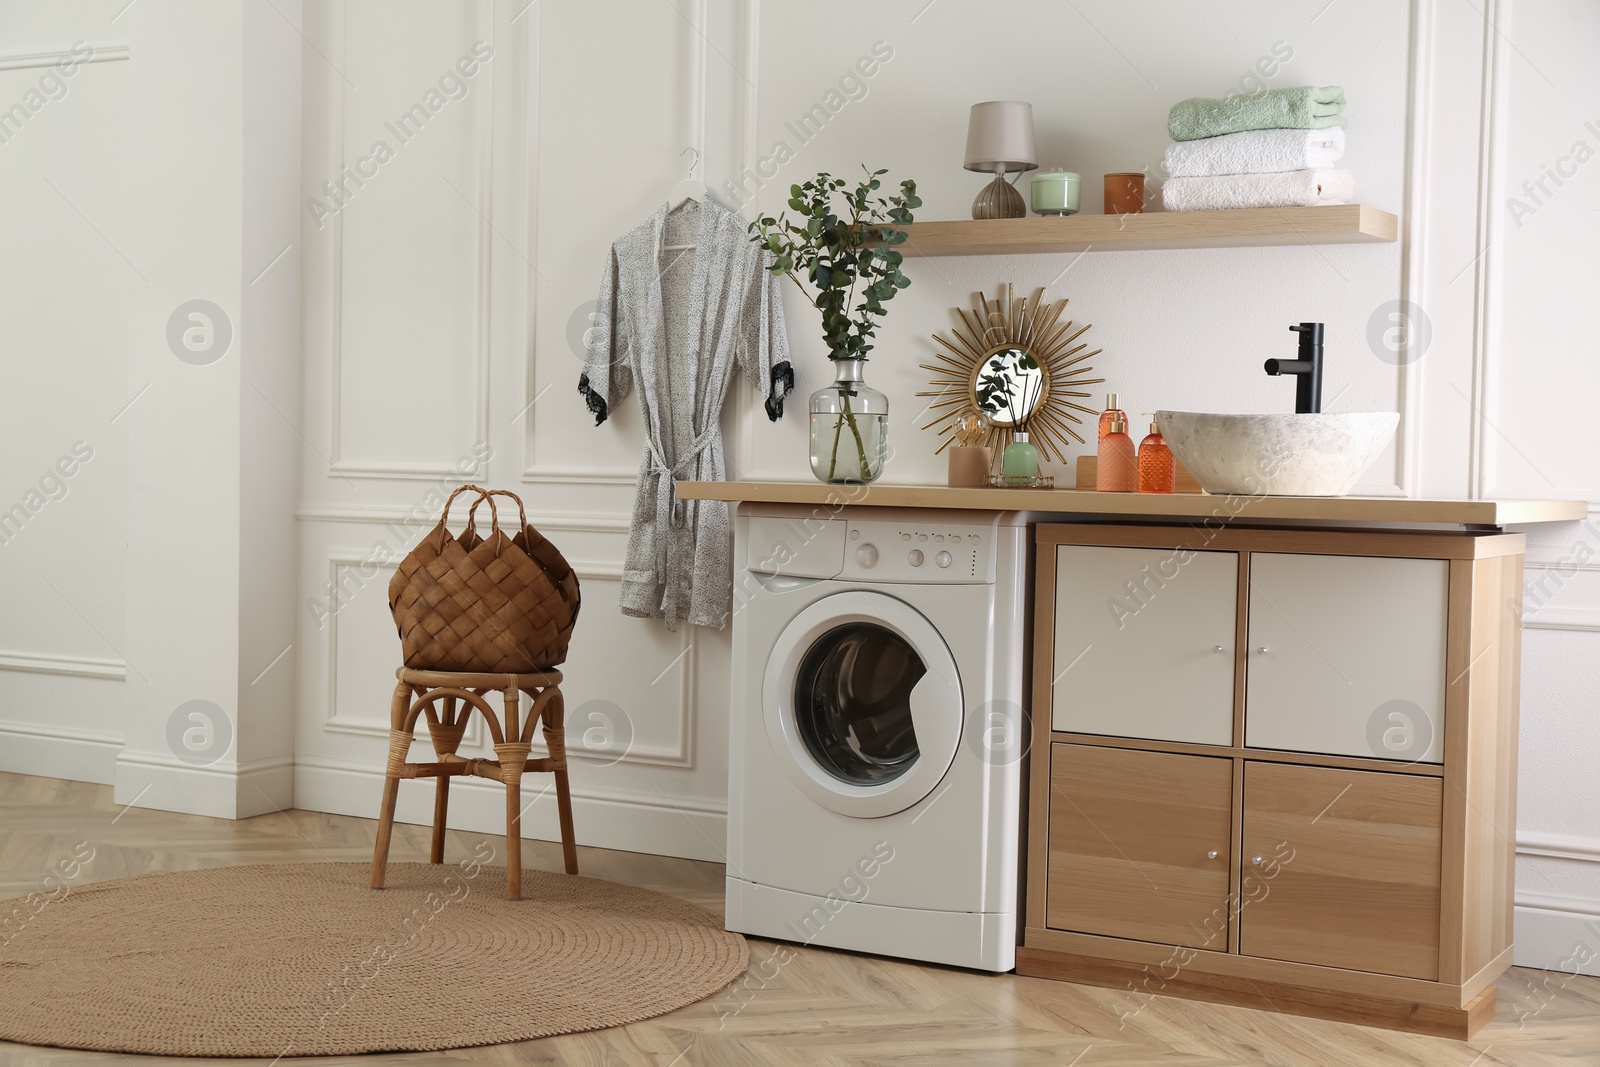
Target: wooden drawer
(1139, 845)
(1144, 643)
(1356, 879)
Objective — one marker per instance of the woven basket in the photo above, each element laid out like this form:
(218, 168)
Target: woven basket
(493, 605)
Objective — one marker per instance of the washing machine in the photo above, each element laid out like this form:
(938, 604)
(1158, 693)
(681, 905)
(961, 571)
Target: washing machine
(878, 730)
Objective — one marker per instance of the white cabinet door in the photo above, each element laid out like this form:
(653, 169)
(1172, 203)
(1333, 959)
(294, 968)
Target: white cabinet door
(1347, 655)
(1144, 643)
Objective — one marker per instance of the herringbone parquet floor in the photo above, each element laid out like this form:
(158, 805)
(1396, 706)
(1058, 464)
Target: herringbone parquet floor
(798, 1006)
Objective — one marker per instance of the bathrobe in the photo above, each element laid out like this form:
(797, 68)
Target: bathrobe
(675, 324)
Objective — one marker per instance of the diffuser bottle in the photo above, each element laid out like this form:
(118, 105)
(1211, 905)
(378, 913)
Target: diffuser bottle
(1156, 469)
(1111, 412)
(1116, 468)
(1019, 463)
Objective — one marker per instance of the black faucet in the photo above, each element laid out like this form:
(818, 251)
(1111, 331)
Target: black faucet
(1307, 368)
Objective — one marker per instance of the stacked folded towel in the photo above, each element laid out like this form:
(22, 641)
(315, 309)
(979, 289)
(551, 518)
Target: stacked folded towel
(1273, 149)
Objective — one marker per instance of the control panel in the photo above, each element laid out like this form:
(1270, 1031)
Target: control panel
(918, 551)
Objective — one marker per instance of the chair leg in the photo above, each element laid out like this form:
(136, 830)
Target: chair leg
(445, 733)
(441, 805)
(512, 756)
(399, 747)
(555, 740)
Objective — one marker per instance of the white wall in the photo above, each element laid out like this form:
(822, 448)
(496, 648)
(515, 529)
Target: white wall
(1536, 398)
(415, 291)
(64, 365)
(445, 298)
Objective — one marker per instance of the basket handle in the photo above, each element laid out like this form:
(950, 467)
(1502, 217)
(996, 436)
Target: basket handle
(522, 512)
(444, 517)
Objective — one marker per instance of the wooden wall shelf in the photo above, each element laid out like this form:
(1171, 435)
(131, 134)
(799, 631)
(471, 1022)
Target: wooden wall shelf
(1245, 228)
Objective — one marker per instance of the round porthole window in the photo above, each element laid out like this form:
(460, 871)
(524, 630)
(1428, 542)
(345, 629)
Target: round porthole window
(852, 703)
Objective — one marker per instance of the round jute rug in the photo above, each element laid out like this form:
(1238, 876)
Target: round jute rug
(305, 960)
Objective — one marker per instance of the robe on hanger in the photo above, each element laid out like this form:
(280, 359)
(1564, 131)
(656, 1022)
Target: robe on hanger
(676, 323)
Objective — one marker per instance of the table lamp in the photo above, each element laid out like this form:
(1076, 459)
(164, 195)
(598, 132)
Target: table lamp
(1000, 141)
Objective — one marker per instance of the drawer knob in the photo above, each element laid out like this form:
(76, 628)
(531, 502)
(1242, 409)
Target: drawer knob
(1257, 860)
(1211, 855)
(1262, 650)
(1218, 648)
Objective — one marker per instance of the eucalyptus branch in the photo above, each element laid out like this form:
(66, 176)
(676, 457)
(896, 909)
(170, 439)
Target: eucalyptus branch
(843, 256)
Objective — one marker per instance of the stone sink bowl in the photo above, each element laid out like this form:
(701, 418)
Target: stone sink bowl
(1320, 454)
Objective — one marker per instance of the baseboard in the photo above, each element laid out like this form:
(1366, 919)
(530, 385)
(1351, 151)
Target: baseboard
(661, 826)
(1557, 933)
(241, 791)
(58, 752)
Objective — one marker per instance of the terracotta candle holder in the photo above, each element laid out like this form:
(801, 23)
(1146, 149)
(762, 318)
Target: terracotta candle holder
(1124, 193)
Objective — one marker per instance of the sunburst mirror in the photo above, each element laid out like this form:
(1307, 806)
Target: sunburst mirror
(1019, 365)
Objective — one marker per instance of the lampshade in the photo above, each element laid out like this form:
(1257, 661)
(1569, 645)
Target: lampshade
(1000, 135)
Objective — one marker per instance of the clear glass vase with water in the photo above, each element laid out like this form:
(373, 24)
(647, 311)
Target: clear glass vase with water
(849, 428)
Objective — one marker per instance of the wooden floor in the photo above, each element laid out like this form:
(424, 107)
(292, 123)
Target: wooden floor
(815, 1006)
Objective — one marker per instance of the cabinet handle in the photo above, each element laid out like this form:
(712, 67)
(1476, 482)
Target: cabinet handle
(1262, 650)
(1211, 855)
(1218, 648)
(1256, 860)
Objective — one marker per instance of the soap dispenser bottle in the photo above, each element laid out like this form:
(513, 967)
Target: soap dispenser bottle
(1156, 470)
(1111, 412)
(1116, 467)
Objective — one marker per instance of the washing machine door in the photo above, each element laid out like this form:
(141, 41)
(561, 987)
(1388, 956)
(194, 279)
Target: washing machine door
(862, 703)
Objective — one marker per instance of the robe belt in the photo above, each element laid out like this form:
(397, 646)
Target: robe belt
(669, 509)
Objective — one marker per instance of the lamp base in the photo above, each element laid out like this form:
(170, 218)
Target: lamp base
(998, 200)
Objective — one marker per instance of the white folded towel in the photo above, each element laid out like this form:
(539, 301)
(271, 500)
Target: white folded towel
(1255, 152)
(1295, 188)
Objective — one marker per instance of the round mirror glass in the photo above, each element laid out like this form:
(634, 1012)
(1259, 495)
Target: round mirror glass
(1008, 385)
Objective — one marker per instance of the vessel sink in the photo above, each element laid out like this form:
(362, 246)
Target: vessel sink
(1320, 454)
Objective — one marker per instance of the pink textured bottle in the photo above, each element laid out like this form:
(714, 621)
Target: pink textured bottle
(1117, 468)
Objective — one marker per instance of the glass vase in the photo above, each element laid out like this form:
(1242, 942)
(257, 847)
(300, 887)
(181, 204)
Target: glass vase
(849, 428)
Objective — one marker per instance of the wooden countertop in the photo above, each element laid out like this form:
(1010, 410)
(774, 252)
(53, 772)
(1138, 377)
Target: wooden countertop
(1149, 505)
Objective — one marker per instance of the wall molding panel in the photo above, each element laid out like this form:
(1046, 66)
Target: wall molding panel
(339, 465)
(111, 52)
(67, 666)
(575, 521)
(658, 823)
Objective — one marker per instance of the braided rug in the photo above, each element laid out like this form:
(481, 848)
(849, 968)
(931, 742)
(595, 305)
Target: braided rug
(305, 960)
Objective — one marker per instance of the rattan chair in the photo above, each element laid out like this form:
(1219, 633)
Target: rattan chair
(423, 692)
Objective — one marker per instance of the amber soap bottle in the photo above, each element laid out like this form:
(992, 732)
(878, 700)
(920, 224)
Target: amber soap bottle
(1156, 470)
(1116, 467)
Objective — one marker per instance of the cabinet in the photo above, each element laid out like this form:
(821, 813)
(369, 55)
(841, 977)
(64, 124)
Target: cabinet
(1140, 844)
(1315, 815)
(1334, 639)
(1349, 868)
(1144, 643)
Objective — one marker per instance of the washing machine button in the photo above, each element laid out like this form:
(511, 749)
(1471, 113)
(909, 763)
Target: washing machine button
(942, 559)
(922, 537)
(855, 535)
(867, 554)
(905, 537)
(915, 558)
(939, 538)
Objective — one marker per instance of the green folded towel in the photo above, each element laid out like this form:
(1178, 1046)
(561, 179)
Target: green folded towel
(1309, 107)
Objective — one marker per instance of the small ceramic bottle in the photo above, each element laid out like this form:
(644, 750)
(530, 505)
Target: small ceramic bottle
(1155, 461)
(1111, 411)
(1116, 468)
